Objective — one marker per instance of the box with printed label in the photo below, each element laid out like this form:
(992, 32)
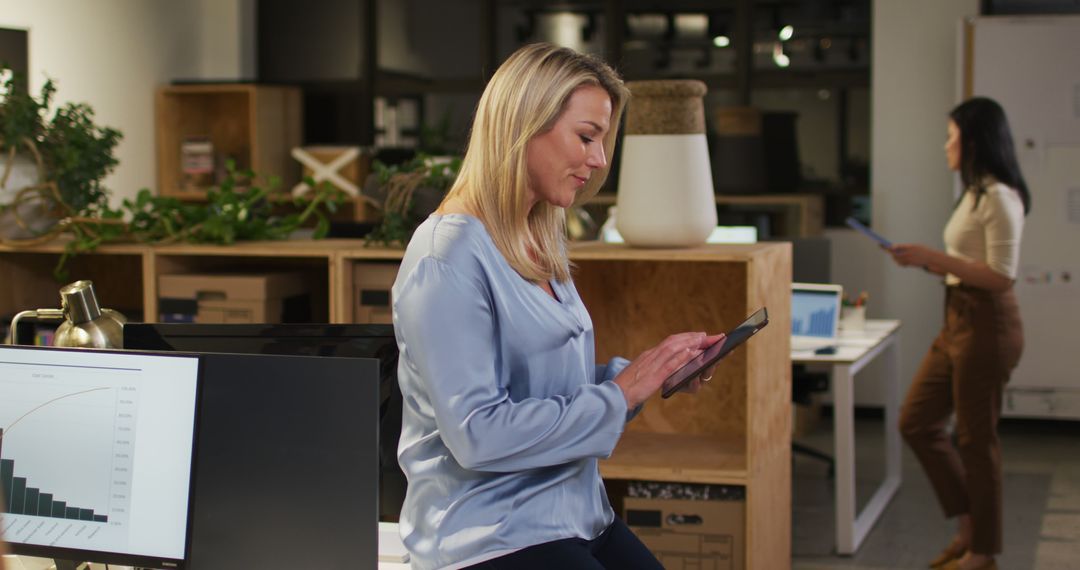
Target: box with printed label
(234, 298)
(690, 534)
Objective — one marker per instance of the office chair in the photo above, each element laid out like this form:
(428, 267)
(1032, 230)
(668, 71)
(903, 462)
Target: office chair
(803, 385)
(810, 263)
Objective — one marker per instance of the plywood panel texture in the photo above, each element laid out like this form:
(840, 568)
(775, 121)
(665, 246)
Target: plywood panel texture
(635, 304)
(769, 440)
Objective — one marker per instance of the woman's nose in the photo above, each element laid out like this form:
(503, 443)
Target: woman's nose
(596, 158)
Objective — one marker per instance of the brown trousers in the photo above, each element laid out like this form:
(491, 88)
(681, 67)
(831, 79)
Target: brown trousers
(965, 371)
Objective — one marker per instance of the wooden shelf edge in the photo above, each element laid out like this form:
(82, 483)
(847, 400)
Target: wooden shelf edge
(674, 475)
(594, 250)
(688, 458)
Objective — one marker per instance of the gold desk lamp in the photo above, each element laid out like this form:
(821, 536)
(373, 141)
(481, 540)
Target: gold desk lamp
(86, 324)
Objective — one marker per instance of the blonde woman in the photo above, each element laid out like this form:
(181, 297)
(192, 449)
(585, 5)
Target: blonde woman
(506, 412)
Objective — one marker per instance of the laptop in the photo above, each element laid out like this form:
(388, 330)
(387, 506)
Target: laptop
(815, 315)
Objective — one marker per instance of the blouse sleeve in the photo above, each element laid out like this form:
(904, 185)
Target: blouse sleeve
(450, 342)
(608, 372)
(1003, 221)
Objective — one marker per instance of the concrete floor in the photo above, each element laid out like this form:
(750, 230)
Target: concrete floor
(1042, 502)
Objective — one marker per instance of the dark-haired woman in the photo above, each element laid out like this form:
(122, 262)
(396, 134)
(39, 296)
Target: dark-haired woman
(971, 359)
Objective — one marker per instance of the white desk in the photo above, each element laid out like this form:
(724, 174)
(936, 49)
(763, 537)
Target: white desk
(855, 350)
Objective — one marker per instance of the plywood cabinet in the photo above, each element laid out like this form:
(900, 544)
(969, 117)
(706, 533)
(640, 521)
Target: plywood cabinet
(737, 430)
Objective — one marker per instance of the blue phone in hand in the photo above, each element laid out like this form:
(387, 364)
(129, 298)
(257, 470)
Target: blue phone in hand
(861, 228)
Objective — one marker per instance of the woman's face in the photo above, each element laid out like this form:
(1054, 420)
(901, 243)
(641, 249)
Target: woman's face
(561, 160)
(952, 146)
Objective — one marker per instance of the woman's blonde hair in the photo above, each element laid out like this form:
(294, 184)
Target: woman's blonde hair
(525, 97)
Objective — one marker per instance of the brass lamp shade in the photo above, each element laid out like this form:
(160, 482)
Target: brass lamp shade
(86, 324)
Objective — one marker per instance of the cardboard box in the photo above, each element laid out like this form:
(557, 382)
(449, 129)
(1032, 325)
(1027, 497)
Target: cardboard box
(688, 534)
(261, 298)
(371, 292)
(354, 171)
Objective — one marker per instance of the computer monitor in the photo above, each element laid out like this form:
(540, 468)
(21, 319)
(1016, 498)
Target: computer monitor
(287, 467)
(340, 340)
(96, 454)
(815, 314)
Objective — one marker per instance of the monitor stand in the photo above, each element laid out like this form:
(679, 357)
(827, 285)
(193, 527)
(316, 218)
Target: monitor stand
(69, 564)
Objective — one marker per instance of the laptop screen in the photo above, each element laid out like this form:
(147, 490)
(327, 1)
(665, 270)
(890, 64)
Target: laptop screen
(815, 310)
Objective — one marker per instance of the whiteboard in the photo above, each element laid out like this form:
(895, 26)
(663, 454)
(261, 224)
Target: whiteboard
(1031, 65)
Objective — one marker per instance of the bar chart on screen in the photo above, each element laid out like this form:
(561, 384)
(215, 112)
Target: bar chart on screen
(67, 440)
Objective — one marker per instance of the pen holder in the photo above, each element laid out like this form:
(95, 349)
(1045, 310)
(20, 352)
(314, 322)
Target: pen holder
(853, 318)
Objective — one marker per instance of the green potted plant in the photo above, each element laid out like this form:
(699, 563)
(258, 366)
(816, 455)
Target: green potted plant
(51, 169)
(51, 163)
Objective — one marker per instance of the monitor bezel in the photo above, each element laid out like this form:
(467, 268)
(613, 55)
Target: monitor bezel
(120, 558)
(298, 330)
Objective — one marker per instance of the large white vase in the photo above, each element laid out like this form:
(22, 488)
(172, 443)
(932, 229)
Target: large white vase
(665, 194)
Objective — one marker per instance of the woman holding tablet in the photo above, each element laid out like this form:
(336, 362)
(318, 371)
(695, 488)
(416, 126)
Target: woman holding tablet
(971, 359)
(506, 412)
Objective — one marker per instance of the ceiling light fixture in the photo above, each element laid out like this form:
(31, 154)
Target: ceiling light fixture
(718, 30)
(780, 58)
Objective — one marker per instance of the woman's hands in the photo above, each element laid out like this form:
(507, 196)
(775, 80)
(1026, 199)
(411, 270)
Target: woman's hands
(916, 255)
(644, 376)
(973, 273)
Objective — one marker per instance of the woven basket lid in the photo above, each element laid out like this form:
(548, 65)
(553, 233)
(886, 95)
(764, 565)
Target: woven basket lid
(666, 107)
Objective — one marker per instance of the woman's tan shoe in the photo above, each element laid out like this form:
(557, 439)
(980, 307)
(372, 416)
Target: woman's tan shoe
(954, 564)
(951, 553)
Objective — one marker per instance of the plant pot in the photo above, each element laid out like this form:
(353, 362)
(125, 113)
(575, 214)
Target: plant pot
(24, 214)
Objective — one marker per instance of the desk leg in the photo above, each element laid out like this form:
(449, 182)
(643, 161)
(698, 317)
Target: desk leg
(853, 526)
(844, 434)
(892, 417)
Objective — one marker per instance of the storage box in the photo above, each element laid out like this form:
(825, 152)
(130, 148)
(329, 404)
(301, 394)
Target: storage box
(371, 292)
(690, 534)
(355, 171)
(262, 298)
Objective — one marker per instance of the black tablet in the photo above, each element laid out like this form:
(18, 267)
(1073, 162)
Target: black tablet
(696, 365)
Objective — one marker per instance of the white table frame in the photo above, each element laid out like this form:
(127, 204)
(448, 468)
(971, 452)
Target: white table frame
(854, 351)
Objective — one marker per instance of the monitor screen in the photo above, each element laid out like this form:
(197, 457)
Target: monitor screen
(96, 454)
(815, 310)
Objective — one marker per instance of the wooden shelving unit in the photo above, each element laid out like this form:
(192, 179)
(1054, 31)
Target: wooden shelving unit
(735, 432)
(256, 125)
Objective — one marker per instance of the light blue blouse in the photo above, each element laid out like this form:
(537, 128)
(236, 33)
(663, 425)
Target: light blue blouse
(506, 412)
